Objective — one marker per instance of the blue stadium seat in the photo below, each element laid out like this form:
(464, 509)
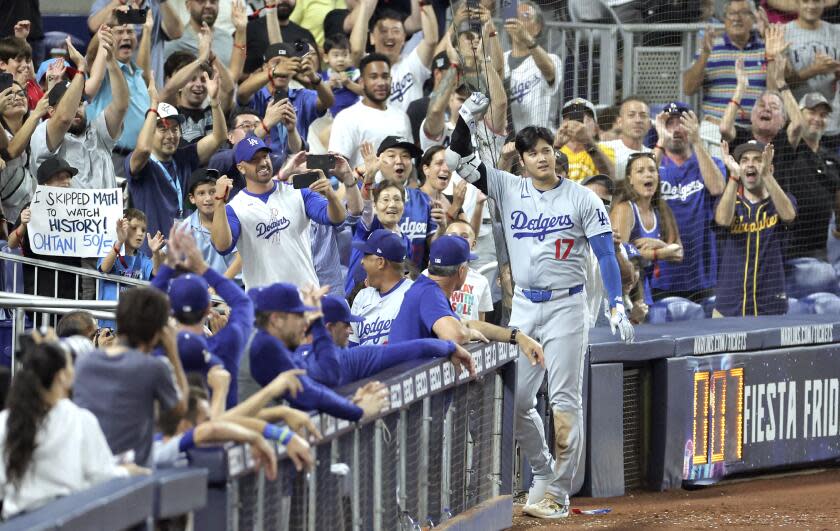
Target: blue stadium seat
(799, 307)
(675, 309)
(809, 275)
(825, 303)
(709, 305)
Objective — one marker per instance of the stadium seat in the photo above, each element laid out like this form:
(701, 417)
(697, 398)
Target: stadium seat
(799, 307)
(824, 303)
(672, 309)
(809, 275)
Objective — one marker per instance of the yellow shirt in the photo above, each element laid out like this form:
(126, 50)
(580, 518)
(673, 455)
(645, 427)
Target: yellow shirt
(581, 164)
(311, 14)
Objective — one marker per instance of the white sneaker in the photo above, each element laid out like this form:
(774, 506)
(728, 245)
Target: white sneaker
(537, 490)
(548, 508)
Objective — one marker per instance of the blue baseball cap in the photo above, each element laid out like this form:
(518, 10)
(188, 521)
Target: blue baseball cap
(188, 293)
(450, 250)
(676, 108)
(279, 297)
(194, 354)
(384, 243)
(336, 310)
(45, 65)
(248, 147)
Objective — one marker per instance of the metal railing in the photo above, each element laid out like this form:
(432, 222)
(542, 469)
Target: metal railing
(444, 446)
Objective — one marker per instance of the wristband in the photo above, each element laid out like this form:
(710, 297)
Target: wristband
(272, 432)
(737, 103)
(265, 128)
(783, 88)
(154, 111)
(513, 334)
(17, 232)
(659, 146)
(117, 248)
(533, 45)
(492, 34)
(654, 255)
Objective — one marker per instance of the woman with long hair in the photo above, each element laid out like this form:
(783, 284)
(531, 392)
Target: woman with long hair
(50, 447)
(641, 216)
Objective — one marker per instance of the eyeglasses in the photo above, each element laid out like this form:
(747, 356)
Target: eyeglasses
(19, 94)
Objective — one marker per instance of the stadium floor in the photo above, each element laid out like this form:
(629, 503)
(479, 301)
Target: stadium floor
(804, 500)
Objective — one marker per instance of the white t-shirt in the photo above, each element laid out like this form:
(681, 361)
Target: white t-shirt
(532, 100)
(488, 144)
(407, 78)
(89, 153)
(622, 154)
(473, 298)
(360, 123)
(71, 454)
(379, 311)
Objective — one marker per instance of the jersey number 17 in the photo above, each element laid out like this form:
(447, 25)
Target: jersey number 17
(563, 247)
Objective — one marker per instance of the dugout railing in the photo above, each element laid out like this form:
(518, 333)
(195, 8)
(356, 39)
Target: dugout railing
(442, 453)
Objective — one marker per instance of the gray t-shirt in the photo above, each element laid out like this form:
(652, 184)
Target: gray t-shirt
(804, 46)
(222, 44)
(121, 391)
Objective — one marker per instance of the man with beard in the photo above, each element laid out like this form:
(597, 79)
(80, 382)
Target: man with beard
(813, 178)
(371, 119)
(752, 209)
(85, 145)
(158, 169)
(258, 32)
(268, 221)
(202, 12)
(690, 179)
(388, 37)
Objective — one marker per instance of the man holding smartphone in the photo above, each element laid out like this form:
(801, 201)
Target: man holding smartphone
(268, 221)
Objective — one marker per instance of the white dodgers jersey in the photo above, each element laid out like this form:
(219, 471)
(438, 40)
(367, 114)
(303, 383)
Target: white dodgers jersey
(379, 311)
(275, 238)
(546, 232)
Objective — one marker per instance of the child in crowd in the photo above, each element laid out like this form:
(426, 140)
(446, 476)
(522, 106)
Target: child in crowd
(201, 192)
(16, 59)
(341, 75)
(131, 262)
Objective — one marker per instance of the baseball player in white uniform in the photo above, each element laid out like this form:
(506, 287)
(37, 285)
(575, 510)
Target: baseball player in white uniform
(549, 225)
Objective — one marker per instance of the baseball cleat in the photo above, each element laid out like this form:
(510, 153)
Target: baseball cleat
(549, 508)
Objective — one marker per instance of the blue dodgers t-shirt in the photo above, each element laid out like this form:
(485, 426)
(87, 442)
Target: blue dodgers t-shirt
(417, 225)
(305, 102)
(423, 304)
(694, 209)
(159, 189)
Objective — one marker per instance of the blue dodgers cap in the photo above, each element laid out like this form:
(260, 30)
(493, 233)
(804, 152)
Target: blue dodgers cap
(194, 354)
(336, 310)
(248, 147)
(676, 108)
(384, 243)
(188, 293)
(450, 250)
(279, 297)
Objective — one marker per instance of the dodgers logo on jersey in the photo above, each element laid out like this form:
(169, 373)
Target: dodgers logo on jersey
(267, 230)
(400, 87)
(375, 331)
(680, 192)
(540, 227)
(519, 90)
(413, 229)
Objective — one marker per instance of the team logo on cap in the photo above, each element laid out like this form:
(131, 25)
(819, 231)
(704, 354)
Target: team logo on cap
(253, 141)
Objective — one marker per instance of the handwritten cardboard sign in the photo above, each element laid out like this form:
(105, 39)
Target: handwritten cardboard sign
(74, 222)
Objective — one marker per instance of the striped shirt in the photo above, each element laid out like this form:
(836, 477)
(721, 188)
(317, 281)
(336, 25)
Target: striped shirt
(719, 81)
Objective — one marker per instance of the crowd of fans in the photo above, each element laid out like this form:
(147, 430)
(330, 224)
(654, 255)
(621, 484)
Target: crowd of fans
(291, 146)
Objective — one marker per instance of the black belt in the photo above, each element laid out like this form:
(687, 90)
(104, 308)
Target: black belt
(121, 151)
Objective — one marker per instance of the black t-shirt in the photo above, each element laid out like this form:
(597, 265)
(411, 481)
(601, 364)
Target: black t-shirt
(257, 35)
(17, 10)
(814, 180)
(46, 277)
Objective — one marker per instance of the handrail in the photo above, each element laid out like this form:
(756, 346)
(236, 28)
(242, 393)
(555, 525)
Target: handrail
(91, 273)
(645, 28)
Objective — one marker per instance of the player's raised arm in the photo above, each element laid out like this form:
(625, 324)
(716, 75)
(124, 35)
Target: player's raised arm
(460, 155)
